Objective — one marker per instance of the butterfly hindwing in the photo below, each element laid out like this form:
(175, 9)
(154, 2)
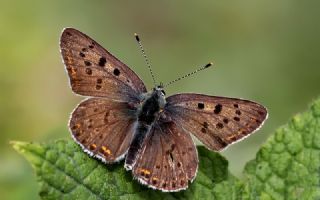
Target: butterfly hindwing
(215, 121)
(104, 128)
(168, 159)
(93, 71)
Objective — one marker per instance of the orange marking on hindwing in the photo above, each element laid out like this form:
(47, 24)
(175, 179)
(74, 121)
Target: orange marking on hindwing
(106, 150)
(72, 71)
(145, 171)
(231, 137)
(93, 146)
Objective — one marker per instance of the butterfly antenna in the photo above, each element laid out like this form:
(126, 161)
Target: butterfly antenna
(145, 57)
(189, 74)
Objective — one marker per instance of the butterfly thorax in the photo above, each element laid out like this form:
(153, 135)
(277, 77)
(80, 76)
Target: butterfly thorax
(152, 105)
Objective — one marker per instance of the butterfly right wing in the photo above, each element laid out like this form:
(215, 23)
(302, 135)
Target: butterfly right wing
(215, 121)
(104, 128)
(93, 71)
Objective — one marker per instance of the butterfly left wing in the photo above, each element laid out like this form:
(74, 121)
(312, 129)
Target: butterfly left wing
(104, 128)
(215, 121)
(93, 71)
(168, 159)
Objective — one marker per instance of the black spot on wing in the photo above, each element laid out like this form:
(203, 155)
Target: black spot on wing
(87, 63)
(102, 61)
(88, 71)
(219, 125)
(200, 105)
(82, 54)
(226, 120)
(99, 81)
(116, 72)
(217, 109)
(205, 124)
(203, 130)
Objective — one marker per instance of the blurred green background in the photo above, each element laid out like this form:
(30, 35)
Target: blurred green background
(267, 51)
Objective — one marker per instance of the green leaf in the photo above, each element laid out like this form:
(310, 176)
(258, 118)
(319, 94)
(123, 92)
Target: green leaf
(288, 165)
(66, 172)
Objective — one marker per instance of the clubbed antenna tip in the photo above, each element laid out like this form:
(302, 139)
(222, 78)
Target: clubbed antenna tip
(137, 37)
(208, 65)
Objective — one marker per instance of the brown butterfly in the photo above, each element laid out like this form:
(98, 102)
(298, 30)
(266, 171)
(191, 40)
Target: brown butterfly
(120, 119)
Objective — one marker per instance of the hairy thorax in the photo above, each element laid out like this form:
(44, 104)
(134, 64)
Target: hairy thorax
(152, 104)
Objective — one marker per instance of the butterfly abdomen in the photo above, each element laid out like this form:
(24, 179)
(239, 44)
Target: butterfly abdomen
(141, 133)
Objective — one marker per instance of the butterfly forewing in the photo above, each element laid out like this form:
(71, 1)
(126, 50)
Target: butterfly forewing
(215, 121)
(104, 128)
(168, 159)
(93, 71)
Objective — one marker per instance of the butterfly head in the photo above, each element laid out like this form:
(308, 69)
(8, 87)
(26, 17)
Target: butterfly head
(160, 89)
(160, 95)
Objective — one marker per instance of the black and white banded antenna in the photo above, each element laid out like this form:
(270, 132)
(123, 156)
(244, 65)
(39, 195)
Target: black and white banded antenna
(189, 74)
(145, 58)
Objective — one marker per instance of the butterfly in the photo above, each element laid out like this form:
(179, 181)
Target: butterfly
(120, 119)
